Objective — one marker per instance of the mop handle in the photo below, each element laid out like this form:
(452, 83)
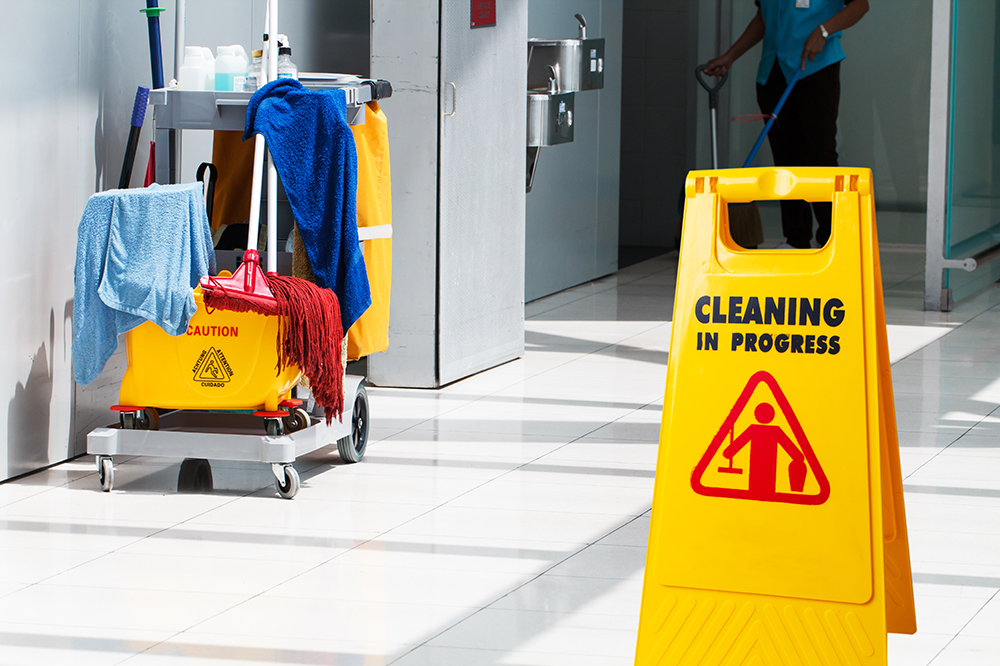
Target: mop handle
(152, 12)
(272, 172)
(138, 114)
(713, 105)
(774, 116)
(258, 148)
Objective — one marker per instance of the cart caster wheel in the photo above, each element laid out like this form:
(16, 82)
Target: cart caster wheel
(273, 427)
(195, 476)
(288, 486)
(297, 420)
(148, 419)
(106, 473)
(352, 448)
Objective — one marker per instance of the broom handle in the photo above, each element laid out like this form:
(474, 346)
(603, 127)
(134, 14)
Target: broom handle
(774, 115)
(272, 173)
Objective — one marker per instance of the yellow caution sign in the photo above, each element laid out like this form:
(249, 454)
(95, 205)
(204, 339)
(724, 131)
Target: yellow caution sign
(778, 533)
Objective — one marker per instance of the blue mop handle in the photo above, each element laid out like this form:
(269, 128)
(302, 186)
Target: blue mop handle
(152, 12)
(774, 115)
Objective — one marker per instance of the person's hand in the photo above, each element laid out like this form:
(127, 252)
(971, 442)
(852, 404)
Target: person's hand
(814, 44)
(718, 66)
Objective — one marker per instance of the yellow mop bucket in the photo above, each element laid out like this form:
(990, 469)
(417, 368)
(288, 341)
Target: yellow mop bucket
(226, 360)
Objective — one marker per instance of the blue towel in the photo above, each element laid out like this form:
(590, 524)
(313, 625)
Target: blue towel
(314, 153)
(139, 254)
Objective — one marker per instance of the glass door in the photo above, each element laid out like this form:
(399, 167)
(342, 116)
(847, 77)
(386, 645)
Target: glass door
(972, 214)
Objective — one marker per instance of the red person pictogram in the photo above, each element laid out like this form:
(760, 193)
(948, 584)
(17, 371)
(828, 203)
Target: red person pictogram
(764, 440)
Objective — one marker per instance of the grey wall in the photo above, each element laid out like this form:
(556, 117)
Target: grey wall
(405, 52)
(657, 138)
(571, 214)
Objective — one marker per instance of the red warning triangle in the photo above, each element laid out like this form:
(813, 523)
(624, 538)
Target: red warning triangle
(761, 453)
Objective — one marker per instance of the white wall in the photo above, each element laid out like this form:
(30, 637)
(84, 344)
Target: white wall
(63, 127)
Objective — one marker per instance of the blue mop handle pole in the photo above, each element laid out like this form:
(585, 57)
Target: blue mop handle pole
(152, 13)
(774, 115)
(138, 114)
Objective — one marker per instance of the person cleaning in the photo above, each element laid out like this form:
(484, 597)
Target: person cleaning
(799, 34)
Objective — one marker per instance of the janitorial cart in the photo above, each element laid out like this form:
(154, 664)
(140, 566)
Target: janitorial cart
(220, 391)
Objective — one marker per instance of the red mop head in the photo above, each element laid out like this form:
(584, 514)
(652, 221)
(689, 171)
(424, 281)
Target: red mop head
(310, 332)
(245, 291)
(311, 338)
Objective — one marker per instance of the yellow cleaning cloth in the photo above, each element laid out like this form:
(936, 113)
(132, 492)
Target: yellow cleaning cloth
(370, 333)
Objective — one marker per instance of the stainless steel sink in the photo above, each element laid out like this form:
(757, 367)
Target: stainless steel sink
(578, 62)
(550, 118)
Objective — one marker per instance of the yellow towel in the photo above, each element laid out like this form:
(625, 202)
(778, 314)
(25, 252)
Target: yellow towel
(370, 333)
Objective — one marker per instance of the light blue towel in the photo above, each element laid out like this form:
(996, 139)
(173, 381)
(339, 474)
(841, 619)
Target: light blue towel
(139, 254)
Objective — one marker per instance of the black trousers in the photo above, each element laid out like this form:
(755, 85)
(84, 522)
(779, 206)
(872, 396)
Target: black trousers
(805, 134)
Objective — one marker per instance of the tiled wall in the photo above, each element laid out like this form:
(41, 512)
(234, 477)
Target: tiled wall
(655, 146)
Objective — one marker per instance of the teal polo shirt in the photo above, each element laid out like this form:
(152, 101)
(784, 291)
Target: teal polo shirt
(787, 25)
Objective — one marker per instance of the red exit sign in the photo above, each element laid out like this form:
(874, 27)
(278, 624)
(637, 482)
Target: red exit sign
(484, 13)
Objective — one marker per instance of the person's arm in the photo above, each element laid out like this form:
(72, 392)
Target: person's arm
(842, 20)
(738, 445)
(789, 446)
(750, 37)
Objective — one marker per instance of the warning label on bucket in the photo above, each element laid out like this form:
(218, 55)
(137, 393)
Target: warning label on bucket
(212, 369)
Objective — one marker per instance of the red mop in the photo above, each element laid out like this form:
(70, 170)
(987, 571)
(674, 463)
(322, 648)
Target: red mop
(311, 331)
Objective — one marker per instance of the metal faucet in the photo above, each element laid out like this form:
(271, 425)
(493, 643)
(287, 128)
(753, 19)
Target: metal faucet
(583, 25)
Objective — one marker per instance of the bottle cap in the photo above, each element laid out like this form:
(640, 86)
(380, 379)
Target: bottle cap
(257, 53)
(285, 50)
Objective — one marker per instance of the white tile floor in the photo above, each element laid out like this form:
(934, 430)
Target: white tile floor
(500, 520)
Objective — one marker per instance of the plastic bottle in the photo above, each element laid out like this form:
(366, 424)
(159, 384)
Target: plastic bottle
(208, 69)
(230, 68)
(252, 82)
(286, 68)
(192, 74)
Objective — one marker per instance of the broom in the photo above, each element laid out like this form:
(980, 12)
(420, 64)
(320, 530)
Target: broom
(310, 332)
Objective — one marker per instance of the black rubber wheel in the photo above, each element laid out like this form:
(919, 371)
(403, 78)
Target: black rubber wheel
(352, 448)
(273, 427)
(195, 476)
(150, 419)
(297, 420)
